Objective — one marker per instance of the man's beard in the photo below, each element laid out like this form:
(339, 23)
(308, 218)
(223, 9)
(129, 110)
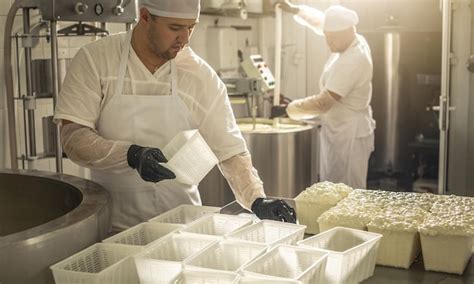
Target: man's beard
(166, 55)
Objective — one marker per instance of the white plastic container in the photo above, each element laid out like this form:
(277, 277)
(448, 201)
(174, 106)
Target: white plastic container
(290, 262)
(184, 214)
(177, 247)
(271, 233)
(151, 263)
(158, 271)
(226, 255)
(264, 280)
(352, 253)
(218, 224)
(143, 234)
(209, 277)
(189, 157)
(446, 253)
(397, 248)
(101, 263)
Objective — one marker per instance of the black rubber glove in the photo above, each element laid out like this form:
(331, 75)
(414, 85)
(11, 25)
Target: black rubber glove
(286, 6)
(146, 161)
(273, 209)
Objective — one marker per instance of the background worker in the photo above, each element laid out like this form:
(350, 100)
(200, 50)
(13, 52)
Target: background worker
(343, 104)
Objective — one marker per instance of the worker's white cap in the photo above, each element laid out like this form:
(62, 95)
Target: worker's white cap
(181, 9)
(339, 18)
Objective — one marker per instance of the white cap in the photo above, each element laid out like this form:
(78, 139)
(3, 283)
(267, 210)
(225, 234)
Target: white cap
(181, 9)
(339, 18)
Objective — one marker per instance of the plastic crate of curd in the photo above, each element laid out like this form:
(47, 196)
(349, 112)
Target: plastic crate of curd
(447, 239)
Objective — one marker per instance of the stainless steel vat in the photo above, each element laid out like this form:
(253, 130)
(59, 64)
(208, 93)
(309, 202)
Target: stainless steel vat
(44, 218)
(287, 161)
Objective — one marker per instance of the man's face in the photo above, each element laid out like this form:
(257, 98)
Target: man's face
(339, 41)
(167, 36)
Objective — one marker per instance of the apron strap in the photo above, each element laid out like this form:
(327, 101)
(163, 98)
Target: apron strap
(174, 78)
(123, 64)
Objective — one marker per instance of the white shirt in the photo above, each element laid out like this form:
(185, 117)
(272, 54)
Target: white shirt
(349, 74)
(91, 79)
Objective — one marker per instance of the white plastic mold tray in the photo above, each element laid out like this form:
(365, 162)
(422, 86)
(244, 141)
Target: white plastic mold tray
(143, 234)
(184, 214)
(161, 259)
(101, 263)
(226, 255)
(218, 224)
(189, 157)
(189, 276)
(290, 262)
(271, 233)
(352, 253)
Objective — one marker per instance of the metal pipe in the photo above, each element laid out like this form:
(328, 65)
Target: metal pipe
(444, 97)
(278, 40)
(29, 86)
(55, 88)
(7, 55)
(25, 132)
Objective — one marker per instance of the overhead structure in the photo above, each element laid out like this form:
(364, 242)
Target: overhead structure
(52, 11)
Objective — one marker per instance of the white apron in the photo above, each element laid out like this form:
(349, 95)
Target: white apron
(148, 120)
(343, 157)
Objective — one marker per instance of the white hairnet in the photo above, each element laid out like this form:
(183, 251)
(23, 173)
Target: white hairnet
(338, 18)
(182, 9)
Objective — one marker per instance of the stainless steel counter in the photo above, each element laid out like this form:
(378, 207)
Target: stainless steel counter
(389, 275)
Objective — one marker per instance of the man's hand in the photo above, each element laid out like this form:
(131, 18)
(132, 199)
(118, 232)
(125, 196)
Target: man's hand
(146, 161)
(273, 209)
(286, 6)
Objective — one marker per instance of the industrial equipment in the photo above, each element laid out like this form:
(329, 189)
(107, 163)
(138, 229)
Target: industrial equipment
(43, 76)
(286, 158)
(255, 67)
(44, 218)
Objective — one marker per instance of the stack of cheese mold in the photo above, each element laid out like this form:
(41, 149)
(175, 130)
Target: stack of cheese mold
(317, 199)
(447, 233)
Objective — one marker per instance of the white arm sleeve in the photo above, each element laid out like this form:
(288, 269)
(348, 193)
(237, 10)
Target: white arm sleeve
(311, 106)
(87, 148)
(243, 179)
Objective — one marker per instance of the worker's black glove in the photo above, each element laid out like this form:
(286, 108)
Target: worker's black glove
(286, 6)
(146, 161)
(273, 209)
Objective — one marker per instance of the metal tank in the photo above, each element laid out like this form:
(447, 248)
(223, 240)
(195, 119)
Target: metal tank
(286, 159)
(45, 218)
(405, 84)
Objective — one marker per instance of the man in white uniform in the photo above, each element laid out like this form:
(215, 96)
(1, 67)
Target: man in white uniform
(127, 95)
(343, 104)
